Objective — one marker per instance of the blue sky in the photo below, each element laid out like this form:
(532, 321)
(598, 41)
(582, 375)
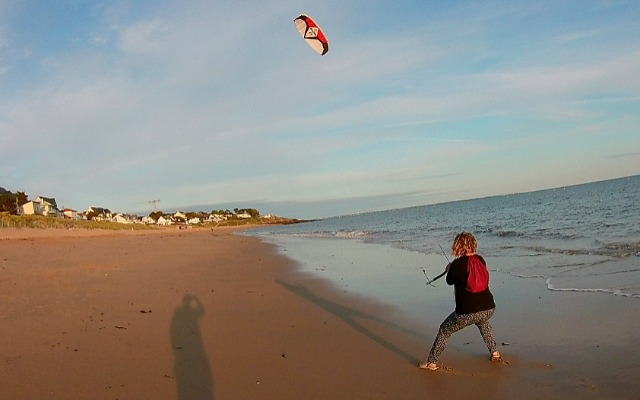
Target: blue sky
(221, 104)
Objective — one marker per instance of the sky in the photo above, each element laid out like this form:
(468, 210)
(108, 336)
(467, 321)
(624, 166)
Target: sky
(221, 104)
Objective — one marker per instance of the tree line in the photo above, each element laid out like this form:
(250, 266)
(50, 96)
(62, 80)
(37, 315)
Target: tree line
(10, 202)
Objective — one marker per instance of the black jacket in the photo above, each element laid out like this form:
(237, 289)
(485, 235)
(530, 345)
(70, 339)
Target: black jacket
(467, 302)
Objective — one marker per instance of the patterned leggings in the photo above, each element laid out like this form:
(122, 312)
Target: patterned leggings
(454, 323)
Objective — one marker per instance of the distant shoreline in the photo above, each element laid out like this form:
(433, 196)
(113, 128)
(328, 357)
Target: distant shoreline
(41, 222)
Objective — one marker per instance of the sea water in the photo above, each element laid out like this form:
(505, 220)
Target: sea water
(583, 238)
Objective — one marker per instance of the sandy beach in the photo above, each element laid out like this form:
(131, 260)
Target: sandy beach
(207, 314)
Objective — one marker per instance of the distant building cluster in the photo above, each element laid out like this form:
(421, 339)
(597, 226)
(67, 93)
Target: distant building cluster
(48, 207)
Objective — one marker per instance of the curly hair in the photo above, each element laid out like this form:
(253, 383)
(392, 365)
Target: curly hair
(464, 243)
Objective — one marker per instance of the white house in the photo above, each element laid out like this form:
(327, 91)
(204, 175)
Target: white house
(163, 221)
(99, 213)
(40, 206)
(216, 218)
(122, 219)
(48, 206)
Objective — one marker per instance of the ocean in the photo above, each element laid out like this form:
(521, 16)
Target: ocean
(583, 238)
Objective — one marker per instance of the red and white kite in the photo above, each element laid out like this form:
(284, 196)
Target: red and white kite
(312, 34)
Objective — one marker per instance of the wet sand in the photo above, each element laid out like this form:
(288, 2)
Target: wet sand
(212, 315)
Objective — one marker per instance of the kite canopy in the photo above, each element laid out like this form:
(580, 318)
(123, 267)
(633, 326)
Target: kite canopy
(312, 34)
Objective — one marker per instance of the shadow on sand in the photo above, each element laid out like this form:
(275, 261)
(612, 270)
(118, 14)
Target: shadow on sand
(351, 317)
(192, 369)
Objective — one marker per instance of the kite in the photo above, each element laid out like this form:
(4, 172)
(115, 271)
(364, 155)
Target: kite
(312, 34)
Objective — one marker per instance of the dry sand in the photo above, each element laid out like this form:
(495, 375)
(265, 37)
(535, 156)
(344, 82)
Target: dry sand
(212, 315)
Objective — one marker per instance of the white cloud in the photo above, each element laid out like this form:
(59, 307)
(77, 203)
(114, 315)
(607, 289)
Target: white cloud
(146, 37)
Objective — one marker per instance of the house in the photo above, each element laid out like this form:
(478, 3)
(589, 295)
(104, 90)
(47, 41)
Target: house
(69, 213)
(98, 214)
(216, 218)
(163, 221)
(41, 206)
(148, 220)
(30, 208)
(122, 219)
(244, 215)
(48, 206)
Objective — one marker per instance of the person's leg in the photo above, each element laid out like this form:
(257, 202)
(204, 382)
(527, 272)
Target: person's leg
(449, 326)
(487, 331)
